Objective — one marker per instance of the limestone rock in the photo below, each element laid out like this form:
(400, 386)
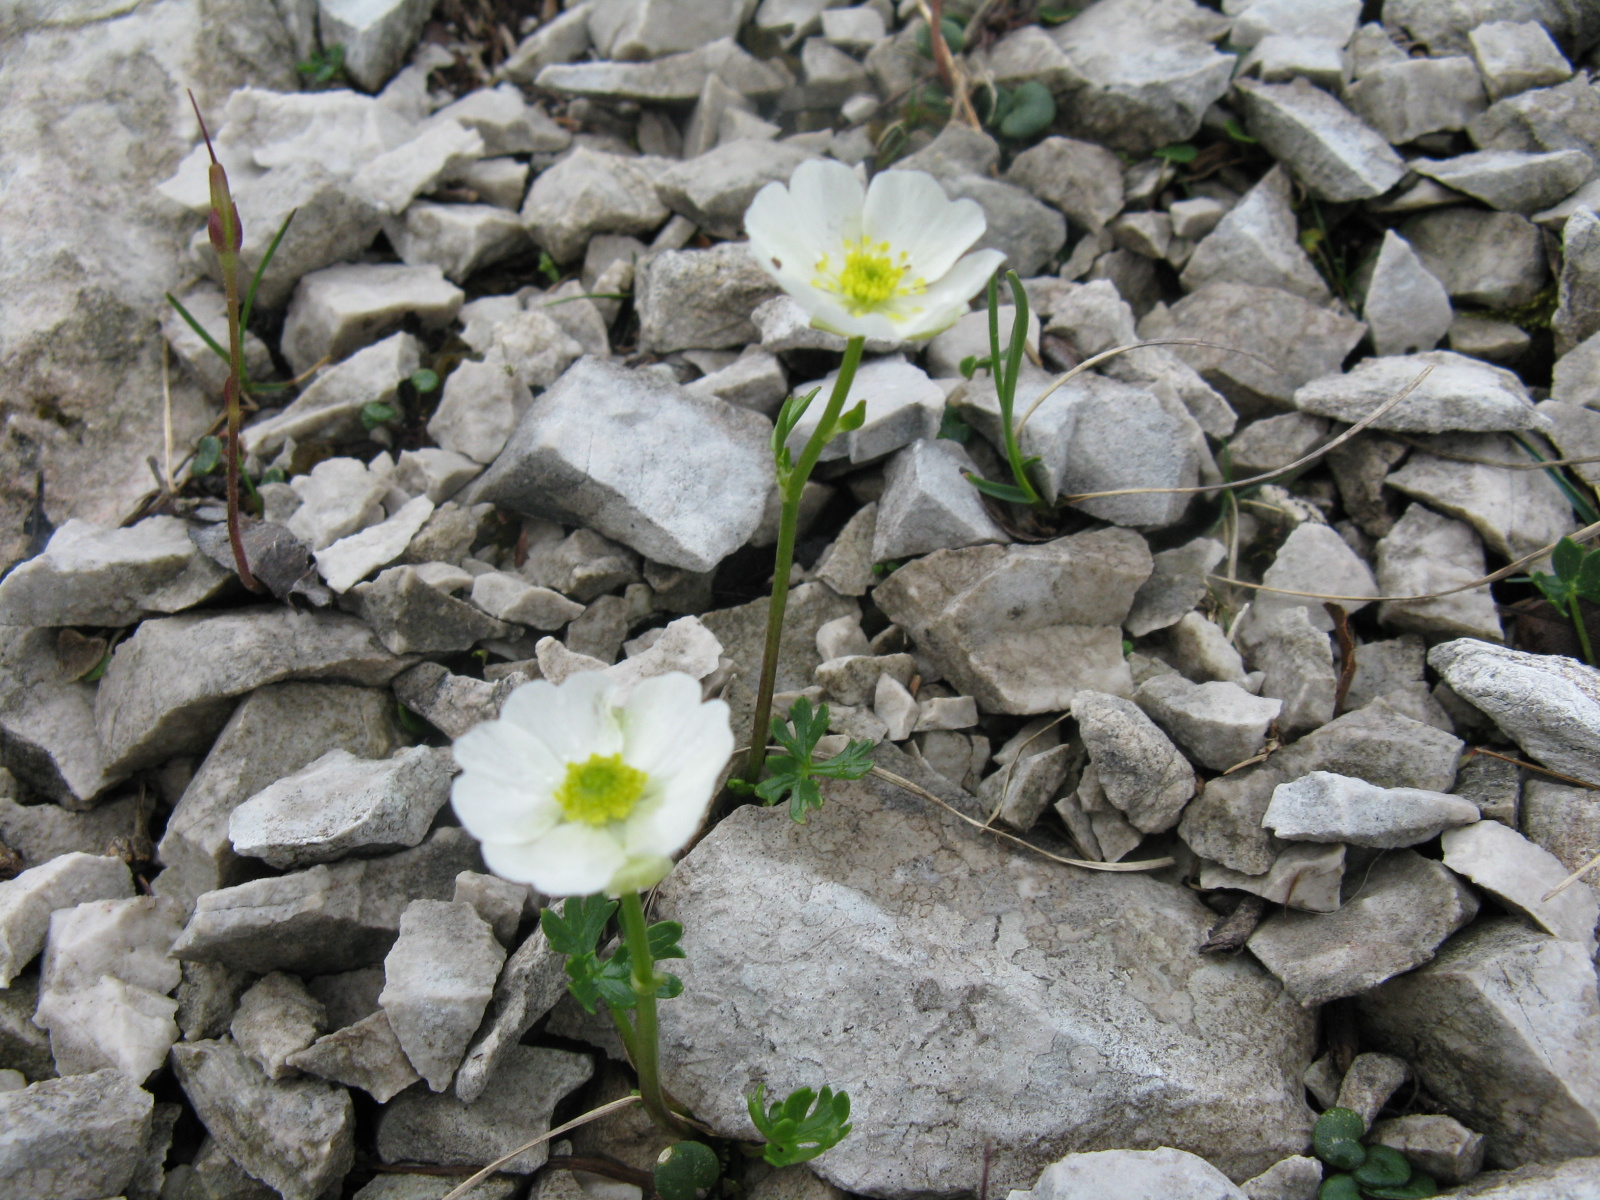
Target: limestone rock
(1511, 180)
(1427, 553)
(692, 500)
(1131, 1175)
(701, 299)
(1406, 906)
(28, 899)
(438, 978)
(1488, 258)
(276, 1018)
(365, 1054)
(1324, 807)
(376, 37)
(80, 1136)
(928, 504)
(1139, 769)
(1176, 585)
(331, 405)
(714, 189)
(677, 78)
(1436, 1144)
(47, 732)
(1082, 179)
(173, 683)
(1257, 242)
(412, 617)
(903, 404)
(340, 309)
(531, 982)
(1406, 307)
(1501, 1027)
(1306, 877)
(1520, 874)
(341, 804)
(908, 1143)
(298, 1135)
(1022, 629)
(1324, 144)
(1219, 723)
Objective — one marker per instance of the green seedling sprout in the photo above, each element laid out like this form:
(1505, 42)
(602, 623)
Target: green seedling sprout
(1363, 1171)
(1006, 369)
(1577, 577)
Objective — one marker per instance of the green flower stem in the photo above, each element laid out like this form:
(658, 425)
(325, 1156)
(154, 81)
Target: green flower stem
(793, 485)
(1580, 625)
(646, 1040)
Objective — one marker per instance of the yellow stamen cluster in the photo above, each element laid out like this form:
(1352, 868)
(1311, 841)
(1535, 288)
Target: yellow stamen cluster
(601, 790)
(870, 277)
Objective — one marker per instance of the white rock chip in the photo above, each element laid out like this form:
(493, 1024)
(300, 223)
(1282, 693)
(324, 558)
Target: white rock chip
(903, 404)
(1426, 553)
(1438, 1145)
(700, 299)
(339, 496)
(1500, 860)
(1324, 144)
(276, 1018)
(1139, 769)
(481, 405)
(437, 982)
(589, 192)
(1296, 660)
(1219, 723)
(681, 478)
(928, 504)
(340, 309)
(28, 899)
(376, 36)
(1314, 558)
(1303, 877)
(341, 804)
(1257, 242)
(396, 177)
(332, 404)
(1504, 1028)
(1407, 99)
(1324, 807)
(506, 122)
(1511, 180)
(351, 559)
(456, 238)
(365, 1054)
(1515, 56)
(1407, 309)
(1132, 1175)
(1548, 704)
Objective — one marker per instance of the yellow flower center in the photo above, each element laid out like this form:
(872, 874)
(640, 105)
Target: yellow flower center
(601, 790)
(870, 278)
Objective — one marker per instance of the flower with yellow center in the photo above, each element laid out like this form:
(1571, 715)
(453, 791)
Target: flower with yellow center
(580, 789)
(888, 262)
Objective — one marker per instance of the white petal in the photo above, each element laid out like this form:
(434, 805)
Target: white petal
(662, 714)
(909, 210)
(828, 201)
(493, 811)
(775, 226)
(507, 753)
(573, 720)
(946, 301)
(573, 859)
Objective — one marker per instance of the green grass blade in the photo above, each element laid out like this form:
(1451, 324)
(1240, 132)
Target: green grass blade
(195, 325)
(255, 281)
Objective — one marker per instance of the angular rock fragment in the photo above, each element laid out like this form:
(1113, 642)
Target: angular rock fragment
(420, 1127)
(1126, 1174)
(1257, 242)
(1488, 258)
(904, 1142)
(411, 617)
(1435, 1144)
(530, 983)
(928, 504)
(1502, 1028)
(1406, 99)
(438, 978)
(276, 1018)
(590, 192)
(695, 495)
(275, 731)
(1219, 723)
(1022, 629)
(714, 189)
(324, 919)
(677, 78)
(1424, 554)
(1315, 559)
(1303, 877)
(28, 899)
(81, 1136)
(702, 299)
(47, 732)
(1082, 179)
(349, 560)
(456, 238)
(1139, 769)
(1176, 585)
(1406, 308)
(903, 404)
(1520, 874)
(340, 805)
(172, 684)
(1324, 144)
(331, 405)
(1549, 705)
(296, 1135)
(1397, 913)
(1324, 807)
(340, 309)
(365, 1054)
(1511, 180)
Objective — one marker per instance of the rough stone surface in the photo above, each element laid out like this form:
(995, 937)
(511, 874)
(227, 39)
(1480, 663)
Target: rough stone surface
(1082, 179)
(1487, 258)
(1458, 394)
(420, 1127)
(438, 978)
(297, 1135)
(1406, 99)
(1433, 1143)
(47, 731)
(146, 711)
(1511, 180)
(1393, 918)
(1520, 874)
(340, 805)
(692, 499)
(1571, 1180)
(340, 309)
(1303, 876)
(1324, 144)
(1132, 1175)
(1257, 242)
(1324, 807)
(1502, 1028)
(1549, 705)
(912, 1141)
(1577, 314)
(324, 919)
(28, 899)
(365, 1054)
(66, 1138)
(1022, 629)
(928, 504)
(587, 193)
(701, 299)
(531, 982)
(276, 1018)
(410, 616)
(1424, 554)
(1219, 723)
(1139, 769)
(1315, 559)
(1176, 585)
(275, 731)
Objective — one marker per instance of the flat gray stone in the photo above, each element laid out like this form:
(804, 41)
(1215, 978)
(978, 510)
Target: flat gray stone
(340, 309)
(1315, 559)
(695, 498)
(1258, 242)
(903, 404)
(80, 1136)
(366, 1054)
(376, 37)
(173, 683)
(48, 737)
(441, 1130)
(1176, 585)
(1426, 553)
(1515, 512)
(1438, 1145)
(1306, 877)
(341, 805)
(1297, 661)
(1406, 308)
(1502, 1028)
(1139, 769)
(1577, 315)
(412, 617)
(1511, 180)
(1082, 179)
(1573, 1179)
(1405, 100)
(1303, 341)
(908, 1142)
(1324, 807)
(1393, 918)
(1219, 723)
(1563, 820)
(701, 299)
(1520, 874)
(324, 919)
(1324, 144)
(590, 192)
(1549, 705)
(677, 78)
(275, 731)
(1023, 647)
(1131, 1174)
(1492, 259)
(714, 189)
(296, 1135)
(331, 405)
(1460, 393)
(28, 899)
(928, 504)
(93, 576)
(276, 1018)
(530, 983)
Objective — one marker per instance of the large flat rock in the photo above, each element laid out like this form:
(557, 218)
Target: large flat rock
(967, 997)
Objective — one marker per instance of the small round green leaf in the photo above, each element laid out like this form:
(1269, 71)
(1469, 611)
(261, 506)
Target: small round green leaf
(685, 1169)
(424, 380)
(1419, 1187)
(1385, 1167)
(955, 36)
(207, 455)
(375, 414)
(1339, 1187)
(1337, 1139)
(1032, 111)
(1179, 152)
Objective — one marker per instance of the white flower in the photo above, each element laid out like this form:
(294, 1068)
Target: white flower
(885, 264)
(577, 789)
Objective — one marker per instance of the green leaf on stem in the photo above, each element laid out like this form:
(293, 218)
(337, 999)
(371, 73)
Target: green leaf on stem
(1000, 491)
(1178, 152)
(794, 773)
(801, 1127)
(1032, 110)
(375, 414)
(577, 928)
(951, 426)
(324, 66)
(1236, 131)
(852, 419)
(207, 455)
(576, 933)
(548, 268)
(261, 269)
(424, 380)
(198, 328)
